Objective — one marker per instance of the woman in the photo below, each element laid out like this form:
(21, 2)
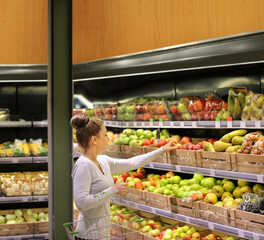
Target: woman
(92, 175)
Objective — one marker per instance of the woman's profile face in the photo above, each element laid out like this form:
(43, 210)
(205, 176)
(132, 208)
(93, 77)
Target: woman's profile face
(102, 139)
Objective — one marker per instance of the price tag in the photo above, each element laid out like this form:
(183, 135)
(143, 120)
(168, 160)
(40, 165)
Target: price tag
(16, 237)
(211, 225)
(182, 124)
(243, 124)
(212, 172)
(258, 124)
(217, 122)
(229, 122)
(126, 124)
(171, 124)
(161, 122)
(255, 236)
(143, 124)
(151, 122)
(260, 178)
(187, 220)
(25, 199)
(241, 233)
(178, 168)
(15, 160)
(194, 124)
(151, 165)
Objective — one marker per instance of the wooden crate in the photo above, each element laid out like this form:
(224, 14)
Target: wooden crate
(220, 234)
(160, 159)
(38, 227)
(117, 230)
(183, 206)
(134, 195)
(157, 200)
(215, 160)
(212, 213)
(113, 151)
(17, 228)
(248, 163)
(186, 157)
(130, 151)
(246, 220)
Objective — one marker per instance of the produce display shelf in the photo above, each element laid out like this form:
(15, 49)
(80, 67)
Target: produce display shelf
(191, 220)
(16, 124)
(187, 124)
(21, 199)
(208, 171)
(40, 123)
(14, 160)
(31, 236)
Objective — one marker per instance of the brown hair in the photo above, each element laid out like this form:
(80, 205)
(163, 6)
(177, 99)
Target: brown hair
(85, 128)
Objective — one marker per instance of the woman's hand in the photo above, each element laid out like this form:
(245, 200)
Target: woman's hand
(121, 187)
(169, 146)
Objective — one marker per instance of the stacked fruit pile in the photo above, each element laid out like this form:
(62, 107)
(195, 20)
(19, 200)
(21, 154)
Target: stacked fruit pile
(39, 215)
(12, 218)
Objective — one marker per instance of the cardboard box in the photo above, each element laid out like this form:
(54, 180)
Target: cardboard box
(215, 160)
(248, 163)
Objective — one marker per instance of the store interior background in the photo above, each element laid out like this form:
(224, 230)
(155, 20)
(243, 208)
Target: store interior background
(104, 28)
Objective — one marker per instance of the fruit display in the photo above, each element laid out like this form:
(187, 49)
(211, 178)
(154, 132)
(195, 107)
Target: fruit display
(38, 215)
(110, 112)
(24, 184)
(252, 143)
(22, 148)
(254, 107)
(12, 218)
(236, 101)
(89, 112)
(4, 114)
(99, 111)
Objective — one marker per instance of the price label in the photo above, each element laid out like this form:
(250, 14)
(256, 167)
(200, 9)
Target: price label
(171, 124)
(178, 168)
(229, 122)
(260, 178)
(187, 220)
(143, 124)
(255, 236)
(16, 238)
(126, 124)
(182, 124)
(15, 160)
(212, 172)
(258, 124)
(151, 165)
(194, 124)
(211, 225)
(241, 233)
(243, 124)
(25, 199)
(217, 125)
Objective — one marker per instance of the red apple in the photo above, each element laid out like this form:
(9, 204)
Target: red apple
(207, 115)
(141, 169)
(208, 105)
(217, 104)
(191, 146)
(162, 176)
(133, 175)
(199, 105)
(191, 107)
(210, 237)
(196, 236)
(197, 147)
(140, 175)
(193, 196)
(161, 109)
(139, 186)
(184, 147)
(200, 195)
(201, 115)
(195, 116)
(185, 140)
(125, 175)
(114, 178)
(214, 114)
(146, 142)
(174, 109)
(187, 237)
(162, 234)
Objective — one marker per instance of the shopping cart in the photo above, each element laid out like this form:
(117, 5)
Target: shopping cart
(101, 228)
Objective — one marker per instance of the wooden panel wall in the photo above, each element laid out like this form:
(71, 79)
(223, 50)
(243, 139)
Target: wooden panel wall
(105, 28)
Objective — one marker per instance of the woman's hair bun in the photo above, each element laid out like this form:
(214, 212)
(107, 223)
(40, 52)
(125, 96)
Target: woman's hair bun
(79, 121)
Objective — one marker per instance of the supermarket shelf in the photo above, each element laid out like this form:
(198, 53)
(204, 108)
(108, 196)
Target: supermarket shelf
(21, 199)
(19, 237)
(40, 123)
(14, 160)
(186, 124)
(15, 124)
(208, 171)
(191, 220)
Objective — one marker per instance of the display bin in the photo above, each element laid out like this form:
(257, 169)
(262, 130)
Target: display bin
(161, 159)
(246, 220)
(212, 213)
(248, 163)
(134, 195)
(116, 230)
(215, 160)
(182, 206)
(183, 157)
(220, 234)
(24, 228)
(38, 227)
(113, 151)
(148, 237)
(157, 200)
(130, 151)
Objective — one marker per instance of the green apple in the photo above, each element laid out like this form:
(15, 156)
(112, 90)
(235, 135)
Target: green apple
(219, 190)
(175, 179)
(2, 219)
(179, 193)
(18, 213)
(257, 188)
(164, 182)
(169, 186)
(237, 192)
(160, 190)
(199, 177)
(242, 183)
(204, 190)
(225, 180)
(186, 228)
(225, 195)
(227, 199)
(193, 181)
(185, 195)
(147, 134)
(193, 229)
(144, 223)
(219, 182)
(229, 238)
(11, 222)
(219, 204)
(175, 188)
(167, 192)
(238, 201)
(29, 212)
(210, 182)
(210, 198)
(203, 181)
(246, 189)
(20, 220)
(133, 137)
(229, 186)
(154, 133)
(229, 204)
(195, 187)
(151, 188)
(127, 132)
(184, 182)
(139, 132)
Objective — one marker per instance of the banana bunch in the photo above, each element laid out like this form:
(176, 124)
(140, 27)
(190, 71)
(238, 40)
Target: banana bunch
(236, 101)
(230, 142)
